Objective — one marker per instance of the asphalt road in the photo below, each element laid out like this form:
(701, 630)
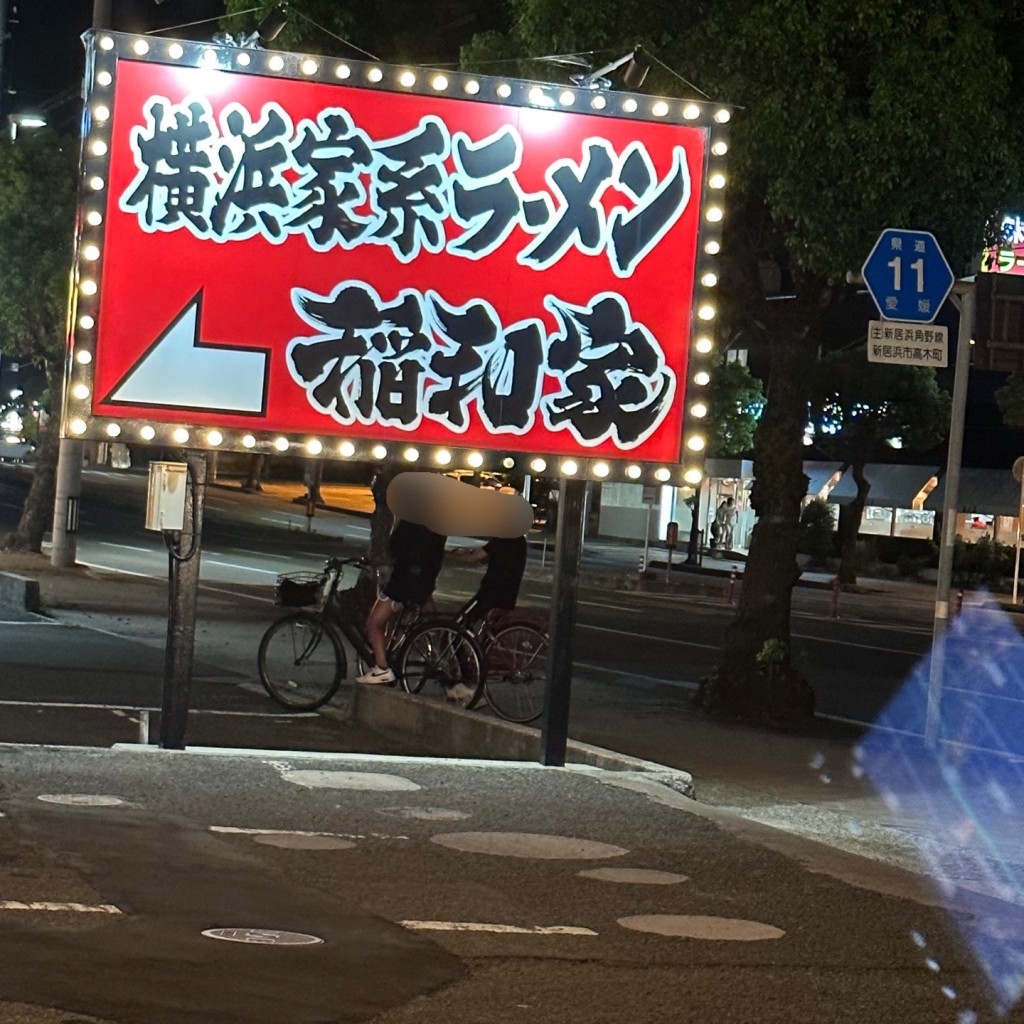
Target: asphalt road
(444, 892)
(652, 644)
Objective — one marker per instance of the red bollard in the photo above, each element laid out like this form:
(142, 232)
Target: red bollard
(835, 597)
(732, 587)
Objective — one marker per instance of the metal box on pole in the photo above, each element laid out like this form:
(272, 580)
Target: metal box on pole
(165, 497)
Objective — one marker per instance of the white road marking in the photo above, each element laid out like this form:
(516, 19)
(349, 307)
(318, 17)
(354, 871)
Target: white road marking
(863, 647)
(131, 709)
(611, 607)
(647, 636)
(78, 908)
(244, 568)
(683, 684)
(500, 929)
(127, 547)
(235, 830)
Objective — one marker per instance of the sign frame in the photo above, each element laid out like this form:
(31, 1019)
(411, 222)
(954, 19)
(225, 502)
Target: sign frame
(106, 49)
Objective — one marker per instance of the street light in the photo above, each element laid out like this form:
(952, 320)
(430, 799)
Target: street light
(16, 122)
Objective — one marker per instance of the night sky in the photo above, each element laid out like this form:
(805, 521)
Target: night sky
(45, 55)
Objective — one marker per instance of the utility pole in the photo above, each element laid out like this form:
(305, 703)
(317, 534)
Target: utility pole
(3, 49)
(68, 488)
(964, 292)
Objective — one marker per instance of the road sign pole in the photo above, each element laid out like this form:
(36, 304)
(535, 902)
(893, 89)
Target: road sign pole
(1020, 515)
(554, 729)
(183, 594)
(936, 667)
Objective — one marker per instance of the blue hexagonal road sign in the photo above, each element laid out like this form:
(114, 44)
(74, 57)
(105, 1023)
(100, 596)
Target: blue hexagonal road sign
(907, 275)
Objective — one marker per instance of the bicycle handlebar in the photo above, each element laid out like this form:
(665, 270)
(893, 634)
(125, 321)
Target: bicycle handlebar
(334, 564)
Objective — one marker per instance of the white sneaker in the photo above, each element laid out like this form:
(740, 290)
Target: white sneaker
(460, 693)
(376, 675)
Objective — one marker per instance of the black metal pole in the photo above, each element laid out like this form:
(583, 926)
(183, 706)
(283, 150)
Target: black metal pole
(182, 598)
(554, 730)
(102, 15)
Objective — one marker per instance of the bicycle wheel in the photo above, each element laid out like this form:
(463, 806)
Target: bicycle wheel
(445, 660)
(301, 662)
(516, 672)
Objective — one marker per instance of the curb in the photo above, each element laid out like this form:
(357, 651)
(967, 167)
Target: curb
(453, 732)
(19, 593)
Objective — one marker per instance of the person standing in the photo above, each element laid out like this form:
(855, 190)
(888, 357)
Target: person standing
(416, 557)
(505, 558)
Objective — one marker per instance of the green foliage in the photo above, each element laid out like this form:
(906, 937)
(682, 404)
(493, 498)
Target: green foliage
(37, 216)
(773, 656)
(735, 401)
(985, 562)
(856, 407)
(399, 31)
(1010, 399)
(819, 524)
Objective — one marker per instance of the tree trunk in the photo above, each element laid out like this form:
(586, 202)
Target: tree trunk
(754, 679)
(850, 517)
(254, 475)
(37, 513)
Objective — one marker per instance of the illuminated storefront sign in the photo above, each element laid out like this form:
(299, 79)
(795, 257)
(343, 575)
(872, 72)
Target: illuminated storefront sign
(288, 253)
(1008, 256)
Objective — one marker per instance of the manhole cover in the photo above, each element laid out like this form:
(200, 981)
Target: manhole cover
(262, 936)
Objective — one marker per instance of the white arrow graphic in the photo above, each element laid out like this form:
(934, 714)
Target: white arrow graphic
(182, 372)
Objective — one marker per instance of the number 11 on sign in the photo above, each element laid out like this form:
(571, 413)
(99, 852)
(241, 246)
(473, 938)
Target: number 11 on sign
(897, 272)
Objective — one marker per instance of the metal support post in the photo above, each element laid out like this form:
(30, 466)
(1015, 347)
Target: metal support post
(1020, 515)
(102, 15)
(936, 668)
(647, 538)
(68, 490)
(182, 598)
(554, 730)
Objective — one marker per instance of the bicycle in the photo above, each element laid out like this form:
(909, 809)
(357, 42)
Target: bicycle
(511, 647)
(516, 665)
(301, 658)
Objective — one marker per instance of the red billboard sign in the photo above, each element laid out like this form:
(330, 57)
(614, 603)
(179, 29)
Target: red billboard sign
(283, 253)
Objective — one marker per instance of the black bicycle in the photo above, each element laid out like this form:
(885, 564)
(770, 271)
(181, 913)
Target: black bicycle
(302, 660)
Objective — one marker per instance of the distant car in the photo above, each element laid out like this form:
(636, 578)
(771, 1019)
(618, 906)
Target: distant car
(15, 449)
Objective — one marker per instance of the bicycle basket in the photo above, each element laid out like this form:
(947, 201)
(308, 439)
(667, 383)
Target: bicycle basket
(298, 589)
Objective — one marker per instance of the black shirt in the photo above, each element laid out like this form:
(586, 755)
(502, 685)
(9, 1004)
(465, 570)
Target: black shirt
(416, 557)
(506, 563)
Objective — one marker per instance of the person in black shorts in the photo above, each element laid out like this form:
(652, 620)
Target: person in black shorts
(506, 562)
(416, 556)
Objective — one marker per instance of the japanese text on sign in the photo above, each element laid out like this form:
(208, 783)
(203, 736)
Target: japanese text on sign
(240, 177)
(910, 344)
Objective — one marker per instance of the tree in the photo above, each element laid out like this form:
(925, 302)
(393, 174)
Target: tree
(735, 403)
(857, 410)
(847, 123)
(37, 217)
(400, 31)
(1010, 399)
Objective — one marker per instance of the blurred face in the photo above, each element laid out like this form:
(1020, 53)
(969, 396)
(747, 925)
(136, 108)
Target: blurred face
(451, 508)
